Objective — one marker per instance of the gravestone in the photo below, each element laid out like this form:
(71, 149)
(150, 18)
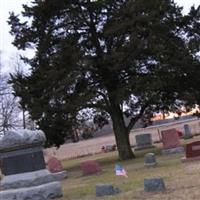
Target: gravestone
(90, 167)
(106, 189)
(187, 132)
(23, 167)
(150, 160)
(192, 151)
(171, 143)
(154, 184)
(143, 141)
(55, 167)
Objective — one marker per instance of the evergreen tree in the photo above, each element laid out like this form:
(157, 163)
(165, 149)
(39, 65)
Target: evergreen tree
(115, 57)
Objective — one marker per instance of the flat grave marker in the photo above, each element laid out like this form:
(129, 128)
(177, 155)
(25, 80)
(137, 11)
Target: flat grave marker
(90, 167)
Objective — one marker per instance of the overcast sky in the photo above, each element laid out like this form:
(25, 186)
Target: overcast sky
(6, 6)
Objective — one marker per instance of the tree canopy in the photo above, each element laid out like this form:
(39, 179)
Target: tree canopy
(115, 57)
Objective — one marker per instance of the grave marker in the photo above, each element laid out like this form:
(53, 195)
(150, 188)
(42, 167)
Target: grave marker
(143, 141)
(23, 167)
(154, 184)
(106, 189)
(90, 167)
(171, 143)
(192, 151)
(150, 160)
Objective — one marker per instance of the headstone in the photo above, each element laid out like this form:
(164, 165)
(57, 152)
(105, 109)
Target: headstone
(23, 167)
(192, 151)
(55, 167)
(154, 184)
(143, 141)
(187, 132)
(171, 143)
(150, 160)
(106, 189)
(90, 167)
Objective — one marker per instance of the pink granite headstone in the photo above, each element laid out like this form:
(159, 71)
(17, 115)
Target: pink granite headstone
(192, 152)
(90, 167)
(170, 139)
(54, 165)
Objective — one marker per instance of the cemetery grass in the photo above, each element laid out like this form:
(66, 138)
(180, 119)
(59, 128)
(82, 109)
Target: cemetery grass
(181, 179)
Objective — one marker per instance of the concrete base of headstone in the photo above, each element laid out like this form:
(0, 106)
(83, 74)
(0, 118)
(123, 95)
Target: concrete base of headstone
(154, 184)
(106, 189)
(26, 179)
(59, 176)
(42, 192)
(173, 150)
(184, 159)
(137, 148)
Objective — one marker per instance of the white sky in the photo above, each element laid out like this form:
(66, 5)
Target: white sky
(6, 6)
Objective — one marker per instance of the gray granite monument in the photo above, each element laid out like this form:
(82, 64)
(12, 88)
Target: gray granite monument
(23, 167)
(143, 141)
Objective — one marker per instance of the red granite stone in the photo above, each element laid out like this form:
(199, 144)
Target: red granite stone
(170, 139)
(193, 149)
(54, 165)
(90, 167)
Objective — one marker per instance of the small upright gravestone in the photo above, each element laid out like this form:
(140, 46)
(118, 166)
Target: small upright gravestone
(24, 172)
(171, 143)
(55, 167)
(150, 160)
(187, 132)
(143, 141)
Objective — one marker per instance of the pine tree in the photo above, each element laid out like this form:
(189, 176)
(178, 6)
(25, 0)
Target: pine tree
(119, 57)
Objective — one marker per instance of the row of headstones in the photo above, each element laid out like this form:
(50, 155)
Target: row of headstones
(90, 167)
(171, 143)
(155, 184)
(170, 138)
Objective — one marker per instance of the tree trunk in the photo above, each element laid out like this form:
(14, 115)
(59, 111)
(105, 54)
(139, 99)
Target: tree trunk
(121, 133)
(24, 119)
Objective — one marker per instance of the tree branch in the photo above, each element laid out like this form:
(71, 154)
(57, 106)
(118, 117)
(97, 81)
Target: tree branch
(136, 118)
